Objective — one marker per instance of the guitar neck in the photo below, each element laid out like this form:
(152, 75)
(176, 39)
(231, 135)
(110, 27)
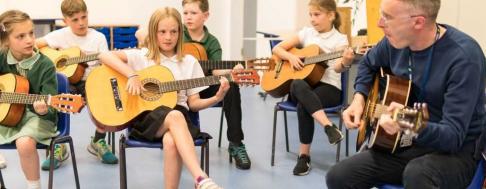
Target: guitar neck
(379, 110)
(219, 64)
(21, 98)
(323, 57)
(82, 59)
(190, 83)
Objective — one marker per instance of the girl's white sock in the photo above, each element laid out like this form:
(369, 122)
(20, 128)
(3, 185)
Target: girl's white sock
(33, 184)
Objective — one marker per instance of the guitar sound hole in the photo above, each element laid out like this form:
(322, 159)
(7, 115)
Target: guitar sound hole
(61, 63)
(152, 92)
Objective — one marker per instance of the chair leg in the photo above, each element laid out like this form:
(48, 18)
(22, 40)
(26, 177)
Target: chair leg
(123, 163)
(347, 143)
(113, 146)
(338, 150)
(206, 153)
(220, 126)
(286, 132)
(60, 140)
(202, 156)
(75, 167)
(2, 184)
(273, 135)
(51, 161)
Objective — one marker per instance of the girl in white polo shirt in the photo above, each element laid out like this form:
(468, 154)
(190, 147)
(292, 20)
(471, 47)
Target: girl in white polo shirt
(312, 99)
(170, 126)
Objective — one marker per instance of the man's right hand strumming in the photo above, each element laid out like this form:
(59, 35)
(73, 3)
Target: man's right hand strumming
(352, 114)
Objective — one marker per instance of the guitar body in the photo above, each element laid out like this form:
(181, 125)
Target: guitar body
(102, 100)
(396, 90)
(11, 114)
(278, 84)
(367, 122)
(74, 72)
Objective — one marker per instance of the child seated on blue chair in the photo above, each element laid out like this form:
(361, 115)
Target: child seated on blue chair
(38, 123)
(311, 100)
(170, 126)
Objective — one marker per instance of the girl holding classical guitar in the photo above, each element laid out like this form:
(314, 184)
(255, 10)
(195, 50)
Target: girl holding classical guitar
(312, 99)
(170, 126)
(38, 124)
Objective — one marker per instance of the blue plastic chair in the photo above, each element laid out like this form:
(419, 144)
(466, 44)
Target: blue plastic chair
(63, 126)
(126, 142)
(273, 43)
(476, 183)
(291, 106)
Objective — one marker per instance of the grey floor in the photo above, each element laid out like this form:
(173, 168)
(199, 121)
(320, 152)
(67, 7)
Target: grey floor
(145, 165)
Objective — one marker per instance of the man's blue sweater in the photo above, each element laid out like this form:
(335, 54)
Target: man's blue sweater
(454, 91)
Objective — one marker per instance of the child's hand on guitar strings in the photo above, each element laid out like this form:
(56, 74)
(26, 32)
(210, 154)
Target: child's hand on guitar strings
(296, 62)
(134, 85)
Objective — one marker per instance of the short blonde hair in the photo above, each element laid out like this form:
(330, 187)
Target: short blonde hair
(7, 20)
(71, 7)
(203, 4)
(429, 7)
(151, 41)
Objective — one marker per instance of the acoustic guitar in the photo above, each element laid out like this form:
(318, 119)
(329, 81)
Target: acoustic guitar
(199, 52)
(69, 61)
(14, 95)
(396, 90)
(276, 81)
(113, 108)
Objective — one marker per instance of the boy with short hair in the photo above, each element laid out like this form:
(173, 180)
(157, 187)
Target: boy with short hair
(90, 41)
(195, 13)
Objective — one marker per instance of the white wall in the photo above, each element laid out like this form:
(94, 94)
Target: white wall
(466, 15)
(282, 17)
(225, 21)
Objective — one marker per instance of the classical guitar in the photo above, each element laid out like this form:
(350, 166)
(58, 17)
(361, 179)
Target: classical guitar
(199, 52)
(113, 108)
(69, 61)
(276, 81)
(14, 95)
(396, 90)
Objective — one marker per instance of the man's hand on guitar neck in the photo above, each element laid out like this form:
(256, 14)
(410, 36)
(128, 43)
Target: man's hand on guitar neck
(411, 120)
(386, 120)
(352, 114)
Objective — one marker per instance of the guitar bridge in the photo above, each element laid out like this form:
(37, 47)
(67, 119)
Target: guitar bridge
(116, 94)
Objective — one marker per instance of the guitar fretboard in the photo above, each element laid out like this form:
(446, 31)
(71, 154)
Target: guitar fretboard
(190, 83)
(81, 59)
(20, 98)
(379, 109)
(323, 57)
(219, 64)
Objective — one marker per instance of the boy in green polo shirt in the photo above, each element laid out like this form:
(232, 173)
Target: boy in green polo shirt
(196, 12)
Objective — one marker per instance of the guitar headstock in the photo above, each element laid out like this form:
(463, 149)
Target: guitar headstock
(412, 119)
(259, 64)
(67, 103)
(245, 77)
